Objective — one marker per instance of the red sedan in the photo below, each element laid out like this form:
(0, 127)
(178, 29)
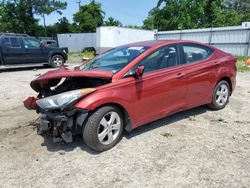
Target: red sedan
(129, 86)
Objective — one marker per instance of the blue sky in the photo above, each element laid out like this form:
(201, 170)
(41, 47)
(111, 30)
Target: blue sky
(129, 12)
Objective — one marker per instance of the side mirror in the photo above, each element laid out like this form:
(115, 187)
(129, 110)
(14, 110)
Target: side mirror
(139, 71)
(136, 73)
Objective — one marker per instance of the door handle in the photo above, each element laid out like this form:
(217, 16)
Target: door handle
(180, 75)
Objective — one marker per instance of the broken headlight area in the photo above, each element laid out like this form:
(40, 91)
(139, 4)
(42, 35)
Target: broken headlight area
(62, 125)
(63, 100)
(58, 116)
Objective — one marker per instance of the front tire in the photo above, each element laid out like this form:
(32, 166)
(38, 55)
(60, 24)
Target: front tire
(104, 128)
(56, 61)
(221, 96)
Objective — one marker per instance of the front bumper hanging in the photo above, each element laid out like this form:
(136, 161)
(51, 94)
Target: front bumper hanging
(61, 125)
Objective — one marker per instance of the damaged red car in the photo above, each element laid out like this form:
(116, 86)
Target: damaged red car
(129, 86)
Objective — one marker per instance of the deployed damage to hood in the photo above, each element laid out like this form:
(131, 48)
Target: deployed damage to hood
(58, 91)
(73, 79)
(64, 80)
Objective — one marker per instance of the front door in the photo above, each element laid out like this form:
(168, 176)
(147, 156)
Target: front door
(161, 90)
(33, 51)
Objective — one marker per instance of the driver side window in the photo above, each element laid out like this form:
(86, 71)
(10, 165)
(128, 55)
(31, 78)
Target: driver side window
(162, 58)
(31, 43)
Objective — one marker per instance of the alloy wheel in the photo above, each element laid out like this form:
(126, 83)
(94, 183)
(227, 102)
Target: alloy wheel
(58, 61)
(222, 94)
(109, 128)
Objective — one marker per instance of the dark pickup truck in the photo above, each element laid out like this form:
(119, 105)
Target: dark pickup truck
(21, 49)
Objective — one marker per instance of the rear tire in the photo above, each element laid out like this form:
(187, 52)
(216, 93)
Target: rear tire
(56, 61)
(104, 128)
(221, 96)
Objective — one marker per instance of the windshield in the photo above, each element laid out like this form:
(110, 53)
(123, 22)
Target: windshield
(115, 59)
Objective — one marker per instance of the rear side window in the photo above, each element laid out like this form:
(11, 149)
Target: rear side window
(15, 43)
(7, 42)
(12, 42)
(194, 53)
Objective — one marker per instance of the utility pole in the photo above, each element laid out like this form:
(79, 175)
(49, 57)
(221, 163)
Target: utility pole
(79, 3)
(44, 24)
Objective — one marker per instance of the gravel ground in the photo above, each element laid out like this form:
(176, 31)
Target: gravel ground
(195, 148)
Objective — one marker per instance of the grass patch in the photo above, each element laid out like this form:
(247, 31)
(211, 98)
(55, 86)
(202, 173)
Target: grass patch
(87, 54)
(77, 57)
(241, 66)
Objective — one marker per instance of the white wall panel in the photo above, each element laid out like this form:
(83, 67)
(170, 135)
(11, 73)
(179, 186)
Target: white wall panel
(109, 37)
(201, 37)
(235, 49)
(234, 36)
(77, 41)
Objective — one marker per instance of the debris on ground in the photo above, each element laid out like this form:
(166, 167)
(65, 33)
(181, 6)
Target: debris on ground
(219, 120)
(234, 137)
(61, 152)
(241, 122)
(191, 118)
(166, 135)
(247, 135)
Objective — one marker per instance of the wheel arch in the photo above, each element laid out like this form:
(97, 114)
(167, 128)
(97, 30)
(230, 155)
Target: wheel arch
(51, 54)
(127, 121)
(228, 80)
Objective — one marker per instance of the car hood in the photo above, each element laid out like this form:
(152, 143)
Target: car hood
(53, 77)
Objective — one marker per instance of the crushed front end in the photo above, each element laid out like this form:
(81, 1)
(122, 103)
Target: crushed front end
(61, 125)
(58, 116)
(58, 92)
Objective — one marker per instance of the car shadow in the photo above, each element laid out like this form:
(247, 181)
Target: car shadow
(26, 68)
(166, 121)
(78, 142)
(63, 147)
(14, 69)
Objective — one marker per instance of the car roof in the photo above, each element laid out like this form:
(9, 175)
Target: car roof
(155, 43)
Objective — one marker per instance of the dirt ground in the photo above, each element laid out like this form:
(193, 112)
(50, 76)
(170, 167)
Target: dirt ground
(195, 148)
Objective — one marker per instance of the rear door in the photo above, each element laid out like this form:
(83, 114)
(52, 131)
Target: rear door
(12, 50)
(200, 73)
(161, 90)
(33, 50)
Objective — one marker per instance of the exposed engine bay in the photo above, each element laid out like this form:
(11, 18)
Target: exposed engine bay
(57, 86)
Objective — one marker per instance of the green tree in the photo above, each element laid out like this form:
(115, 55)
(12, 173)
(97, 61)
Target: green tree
(63, 25)
(150, 21)
(112, 22)
(89, 17)
(18, 15)
(190, 14)
(46, 7)
(242, 7)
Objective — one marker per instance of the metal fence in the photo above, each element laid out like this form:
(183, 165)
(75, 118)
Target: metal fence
(234, 40)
